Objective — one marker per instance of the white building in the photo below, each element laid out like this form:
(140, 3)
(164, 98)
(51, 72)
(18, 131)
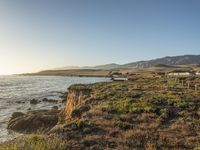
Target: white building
(197, 73)
(179, 74)
(119, 79)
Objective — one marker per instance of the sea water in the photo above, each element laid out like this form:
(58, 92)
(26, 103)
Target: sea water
(17, 91)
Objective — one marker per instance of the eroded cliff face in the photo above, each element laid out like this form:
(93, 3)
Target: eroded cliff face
(77, 96)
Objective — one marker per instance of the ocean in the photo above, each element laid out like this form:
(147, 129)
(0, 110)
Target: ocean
(17, 91)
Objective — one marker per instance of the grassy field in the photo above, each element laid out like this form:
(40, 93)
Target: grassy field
(108, 72)
(74, 72)
(143, 113)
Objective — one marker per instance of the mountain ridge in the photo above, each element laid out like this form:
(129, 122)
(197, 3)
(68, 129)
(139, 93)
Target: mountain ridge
(168, 61)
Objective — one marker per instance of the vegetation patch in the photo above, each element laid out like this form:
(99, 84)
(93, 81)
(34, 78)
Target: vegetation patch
(146, 112)
(36, 142)
(77, 112)
(83, 127)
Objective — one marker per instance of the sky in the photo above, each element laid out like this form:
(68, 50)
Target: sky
(44, 34)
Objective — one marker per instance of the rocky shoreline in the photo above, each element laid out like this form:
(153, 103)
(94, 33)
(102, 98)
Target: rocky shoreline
(33, 121)
(73, 73)
(36, 120)
(142, 113)
(44, 120)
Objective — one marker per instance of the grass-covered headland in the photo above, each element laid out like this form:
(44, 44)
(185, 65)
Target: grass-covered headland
(142, 113)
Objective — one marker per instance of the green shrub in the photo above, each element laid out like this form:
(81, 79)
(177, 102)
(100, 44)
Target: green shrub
(78, 111)
(36, 142)
(83, 126)
(123, 125)
(184, 104)
(164, 113)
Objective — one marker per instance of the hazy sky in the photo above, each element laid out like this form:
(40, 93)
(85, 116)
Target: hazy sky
(42, 34)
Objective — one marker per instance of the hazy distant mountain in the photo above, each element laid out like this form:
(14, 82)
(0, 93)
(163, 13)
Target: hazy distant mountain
(108, 66)
(165, 61)
(105, 67)
(174, 60)
(67, 67)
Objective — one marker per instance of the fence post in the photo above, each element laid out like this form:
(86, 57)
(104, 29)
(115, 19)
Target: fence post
(196, 87)
(188, 84)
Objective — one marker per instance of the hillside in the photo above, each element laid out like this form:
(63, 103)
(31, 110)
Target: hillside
(142, 113)
(165, 61)
(108, 66)
(171, 61)
(73, 72)
(186, 62)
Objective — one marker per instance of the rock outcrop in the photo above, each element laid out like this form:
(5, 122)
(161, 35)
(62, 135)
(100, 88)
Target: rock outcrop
(34, 101)
(33, 121)
(77, 96)
(45, 120)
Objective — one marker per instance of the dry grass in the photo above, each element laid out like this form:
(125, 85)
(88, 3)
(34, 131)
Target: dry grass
(155, 114)
(74, 72)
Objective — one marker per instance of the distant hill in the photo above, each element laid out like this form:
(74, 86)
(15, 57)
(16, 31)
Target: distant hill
(164, 66)
(104, 67)
(108, 66)
(73, 72)
(185, 62)
(169, 61)
(160, 62)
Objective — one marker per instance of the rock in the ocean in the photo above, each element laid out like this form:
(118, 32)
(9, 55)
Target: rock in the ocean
(50, 100)
(64, 100)
(17, 114)
(34, 101)
(20, 102)
(33, 121)
(64, 97)
(55, 107)
(45, 99)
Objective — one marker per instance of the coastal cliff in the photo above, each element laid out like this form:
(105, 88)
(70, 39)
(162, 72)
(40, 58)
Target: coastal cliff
(77, 96)
(120, 115)
(45, 120)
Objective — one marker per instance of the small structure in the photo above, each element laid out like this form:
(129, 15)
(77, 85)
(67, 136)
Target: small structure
(119, 78)
(160, 73)
(197, 73)
(179, 73)
(115, 73)
(196, 87)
